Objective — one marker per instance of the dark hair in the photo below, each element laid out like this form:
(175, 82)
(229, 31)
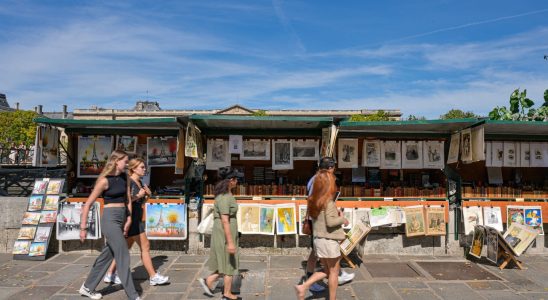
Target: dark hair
(326, 163)
(225, 175)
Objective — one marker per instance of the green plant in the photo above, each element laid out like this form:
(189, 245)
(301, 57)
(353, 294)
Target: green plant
(17, 128)
(380, 115)
(260, 113)
(458, 114)
(521, 108)
(415, 118)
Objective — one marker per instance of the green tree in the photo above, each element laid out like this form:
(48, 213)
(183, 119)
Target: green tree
(17, 128)
(415, 118)
(380, 115)
(521, 108)
(260, 113)
(458, 114)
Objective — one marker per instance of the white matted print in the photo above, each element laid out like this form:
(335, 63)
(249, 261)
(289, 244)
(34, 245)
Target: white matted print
(249, 218)
(68, 221)
(524, 155)
(302, 216)
(306, 150)
(286, 219)
(361, 215)
(488, 154)
(49, 147)
(510, 154)
(235, 144)
(218, 155)
(478, 143)
(411, 155)
(433, 154)
(126, 143)
(497, 154)
(473, 215)
(492, 217)
(371, 156)
(390, 155)
(93, 153)
(161, 151)
(539, 154)
(348, 153)
(282, 155)
(454, 147)
(466, 145)
(255, 150)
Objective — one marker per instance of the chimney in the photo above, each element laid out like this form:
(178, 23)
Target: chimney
(16, 105)
(39, 109)
(65, 114)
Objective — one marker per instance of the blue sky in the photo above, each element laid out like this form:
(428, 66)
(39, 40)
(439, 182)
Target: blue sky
(423, 57)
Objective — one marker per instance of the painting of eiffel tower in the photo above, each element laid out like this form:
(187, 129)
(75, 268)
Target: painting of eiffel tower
(93, 153)
(161, 151)
(166, 221)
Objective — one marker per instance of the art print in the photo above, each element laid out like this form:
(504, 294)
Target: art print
(539, 154)
(533, 218)
(68, 221)
(371, 156)
(492, 244)
(325, 142)
(140, 152)
(412, 155)
(473, 215)
(42, 234)
(282, 155)
(477, 241)
(31, 218)
(21, 247)
(380, 217)
(256, 150)
(488, 152)
(51, 202)
(55, 186)
(492, 217)
(348, 153)
(390, 155)
(435, 220)
(250, 218)
(218, 155)
(454, 148)
(191, 141)
(26, 233)
(478, 143)
(353, 238)
(37, 249)
(40, 187)
(286, 219)
(361, 215)
(235, 144)
(35, 203)
(302, 218)
(525, 155)
(48, 216)
(49, 147)
(267, 220)
(510, 154)
(161, 151)
(93, 153)
(306, 150)
(497, 154)
(348, 214)
(127, 143)
(166, 221)
(466, 145)
(515, 214)
(414, 216)
(433, 155)
(520, 237)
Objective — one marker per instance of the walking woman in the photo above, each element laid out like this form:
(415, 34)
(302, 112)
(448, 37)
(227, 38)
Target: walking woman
(326, 225)
(223, 255)
(116, 220)
(136, 170)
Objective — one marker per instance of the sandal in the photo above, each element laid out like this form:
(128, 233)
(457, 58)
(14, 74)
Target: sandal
(226, 298)
(206, 288)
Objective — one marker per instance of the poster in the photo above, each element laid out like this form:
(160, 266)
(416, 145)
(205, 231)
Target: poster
(477, 241)
(435, 220)
(282, 155)
(235, 144)
(267, 219)
(466, 145)
(414, 216)
(497, 154)
(286, 219)
(412, 155)
(492, 244)
(191, 141)
(539, 154)
(473, 215)
(302, 215)
(35, 203)
(347, 153)
(325, 142)
(126, 143)
(40, 187)
(93, 153)
(161, 151)
(433, 155)
(306, 150)
(515, 214)
(454, 148)
(55, 186)
(249, 218)
(256, 150)
(218, 155)
(166, 221)
(519, 237)
(371, 156)
(533, 218)
(390, 155)
(49, 147)
(492, 217)
(353, 237)
(361, 215)
(510, 155)
(524, 155)
(478, 143)
(68, 221)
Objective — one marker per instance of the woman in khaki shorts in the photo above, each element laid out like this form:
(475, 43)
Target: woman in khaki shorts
(327, 221)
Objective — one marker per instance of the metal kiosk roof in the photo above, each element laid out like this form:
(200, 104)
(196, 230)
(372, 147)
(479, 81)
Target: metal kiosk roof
(515, 130)
(165, 126)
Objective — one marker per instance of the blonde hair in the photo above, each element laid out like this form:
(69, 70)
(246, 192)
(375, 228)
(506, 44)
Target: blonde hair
(134, 163)
(110, 166)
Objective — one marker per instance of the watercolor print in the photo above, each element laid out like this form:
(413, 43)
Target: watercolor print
(37, 249)
(533, 218)
(371, 156)
(21, 247)
(412, 155)
(126, 143)
(161, 151)
(40, 187)
(26, 233)
(282, 155)
(306, 150)
(361, 215)
(302, 216)
(93, 153)
(218, 155)
(166, 221)
(267, 219)
(348, 153)
(286, 219)
(492, 217)
(492, 243)
(249, 218)
(42, 234)
(348, 214)
(35, 203)
(31, 218)
(433, 155)
(55, 186)
(256, 150)
(435, 220)
(390, 155)
(51, 202)
(49, 147)
(454, 147)
(514, 214)
(473, 215)
(477, 241)
(524, 155)
(48, 216)
(414, 216)
(68, 221)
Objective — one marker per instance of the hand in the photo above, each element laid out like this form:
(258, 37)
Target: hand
(147, 190)
(141, 193)
(83, 234)
(230, 248)
(346, 222)
(126, 226)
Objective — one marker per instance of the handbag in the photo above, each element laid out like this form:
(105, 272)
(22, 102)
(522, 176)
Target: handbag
(206, 226)
(307, 225)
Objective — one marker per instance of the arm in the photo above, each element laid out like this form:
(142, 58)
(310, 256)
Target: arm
(332, 217)
(230, 247)
(100, 187)
(129, 208)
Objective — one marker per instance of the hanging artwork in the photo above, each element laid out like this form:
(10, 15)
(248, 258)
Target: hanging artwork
(348, 153)
(286, 219)
(492, 217)
(478, 143)
(93, 153)
(256, 150)
(414, 216)
(249, 218)
(361, 215)
(42, 234)
(217, 154)
(235, 144)
(40, 187)
(510, 154)
(302, 217)
(180, 155)
(191, 141)
(348, 214)
(519, 237)
(379, 217)
(515, 214)
(477, 241)
(433, 155)
(141, 151)
(390, 155)
(267, 219)
(166, 221)
(31, 218)
(539, 154)
(35, 203)
(533, 218)
(472, 215)
(371, 156)
(68, 221)
(21, 247)
(492, 244)
(525, 155)
(282, 155)
(55, 186)
(126, 143)
(497, 154)
(49, 147)
(488, 148)
(306, 150)
(466, 145)
(325, 142)
(435, 220)
(454, 148)
(161, 151)
(412, 155)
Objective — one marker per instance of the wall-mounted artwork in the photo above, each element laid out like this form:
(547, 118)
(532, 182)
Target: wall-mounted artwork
(466, 145)
(282, 155)
(510, 158)
(35, 203)
(126, 143)
(306, 150)
(414, 216)
(286, 219)
(412, 155)
(539, 154)
(191, 141)
(49, 147)
(55, 186)
(348, 153)
(533, 218)
(515, 214)
(371, 156)
(249, 218)
(93, 153)
(525, 155)
(433, 155)
(68, 221)
(473, 215)
(492, 217)
(256, 150)
(497, 154)
(267, 219)
(161, 151)
(166, 221)
(390, 155)
(435, 220)
(235, 144)
(218, 155)
(454, 149)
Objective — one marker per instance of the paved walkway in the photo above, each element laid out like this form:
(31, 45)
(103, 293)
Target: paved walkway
(273, 277)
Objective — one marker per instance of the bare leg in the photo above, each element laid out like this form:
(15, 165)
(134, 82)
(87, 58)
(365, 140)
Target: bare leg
(311, 262)
(211, 279)
(228, 287)
(300, 290)
(144, 245)
(333, 266)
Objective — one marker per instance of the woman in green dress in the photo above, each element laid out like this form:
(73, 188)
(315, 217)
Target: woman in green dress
(223, 255)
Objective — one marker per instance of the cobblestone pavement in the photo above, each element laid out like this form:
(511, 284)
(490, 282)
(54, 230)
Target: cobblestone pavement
(273, 277)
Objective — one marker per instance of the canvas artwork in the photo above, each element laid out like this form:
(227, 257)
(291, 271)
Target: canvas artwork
(42, 234)
(533, 218)
(68, 221)
(497, 154)
(218, 155)
(55, 186)
(306, 150)
(161, 151)
(515, 214)
(21, 247)
(26, 233)
(520, 237)
(478, 143)
(361, 215)
(477, 241)
(235, 144)
(510, 154)
(93, 153)
(525, 155)
(286, 219)
(166, 221)
(191, 141)
(250, 218)
(488, 148)
(348, 153)
(31, 218)
(492, 217)
(466, 145)
(473, 215)
(37, 249)
(371, 156)
(454, 148)
(256, 150)
(435, 220)
(414, 216)
(141, 151)
(282, 155)
(267, 219)
(492, 244)
(433, 155)
(49, 147)
(390, 155)
(348, 214)
(126, 143)
(302, 215)
(539, 154)
(35, 203)
(412, 155)
(48, 216)
(51, 202)
(40, 187)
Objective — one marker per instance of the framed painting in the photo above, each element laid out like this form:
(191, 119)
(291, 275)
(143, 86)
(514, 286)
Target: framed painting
(218, 155)
(127, 143)
(433, 155)
(306, 150)
(166, 221)
(286, 219)
(37, 249)
(255, 150)
(347, 153)
(267, 219)
(414, 216)
(68, 221)
(371, 156)
(412, 155)
(390, 155)
(93, 153)
(161, 151)
(282, 155)
(235, 143)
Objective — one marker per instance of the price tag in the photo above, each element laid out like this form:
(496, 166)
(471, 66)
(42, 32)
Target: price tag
(520, 199)
(388, 199)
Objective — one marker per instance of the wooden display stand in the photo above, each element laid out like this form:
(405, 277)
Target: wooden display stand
(506, 253)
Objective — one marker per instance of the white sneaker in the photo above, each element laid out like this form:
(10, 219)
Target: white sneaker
(84, 291)
(112, 278)
(158, 279)
(345, 277)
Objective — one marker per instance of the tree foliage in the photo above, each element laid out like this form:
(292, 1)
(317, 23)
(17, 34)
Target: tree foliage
(415, 118)
(17, 128)
(260, 113)
(458, 114)
(521, 108)
(380, 115)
